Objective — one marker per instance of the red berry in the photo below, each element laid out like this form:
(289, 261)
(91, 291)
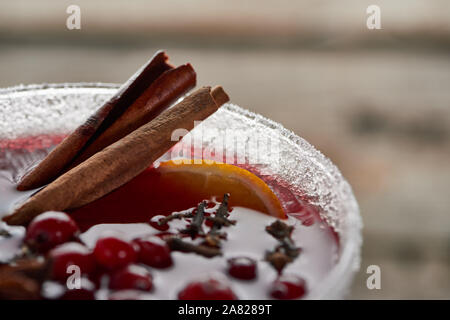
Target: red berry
(68, 254)
(154, 252)
(85, 292)
(210, 204)
(242, 268)
(209, 223)
(161, 227)
(113, 253)
(210, 289)
(288, 287)
(131, 277)
(49, 229)
(97, 277)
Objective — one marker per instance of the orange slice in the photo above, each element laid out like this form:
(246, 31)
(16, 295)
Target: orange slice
(203, 180)
(175, 187)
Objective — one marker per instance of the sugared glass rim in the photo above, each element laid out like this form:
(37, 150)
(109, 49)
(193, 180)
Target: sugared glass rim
(337, 283)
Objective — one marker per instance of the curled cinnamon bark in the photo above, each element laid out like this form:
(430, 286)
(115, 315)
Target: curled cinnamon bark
(15, 286)
(165, 90)
(34, 268)
(120, 162)
(22, 279)
(64, 153)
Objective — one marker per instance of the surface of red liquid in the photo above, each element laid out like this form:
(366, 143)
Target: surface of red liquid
(148, 195)
(137, 201)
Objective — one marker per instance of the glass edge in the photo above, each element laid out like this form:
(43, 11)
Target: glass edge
(337, 283)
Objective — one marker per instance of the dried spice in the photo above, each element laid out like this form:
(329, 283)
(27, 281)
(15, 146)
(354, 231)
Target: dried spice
(5, 233)
(196, 227)
(220, 218)
(286, 251)
(221, 222)
(279, 230)
(282, 232)
(177, 244)
(174, 216)
(277, 259)
(213, 240)
(211, 244)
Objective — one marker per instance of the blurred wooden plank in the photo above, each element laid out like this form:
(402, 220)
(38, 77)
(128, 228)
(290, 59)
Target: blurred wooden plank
(288, 18)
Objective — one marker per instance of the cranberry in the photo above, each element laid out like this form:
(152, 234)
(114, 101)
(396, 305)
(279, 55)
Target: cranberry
(210, 204)
(131, 277)
(154, 252)
(85, 292)
(68, 254)
(288, 287)
(161, 227)
(49, 229)
(113, 253)
(210, 289)
(242, 268)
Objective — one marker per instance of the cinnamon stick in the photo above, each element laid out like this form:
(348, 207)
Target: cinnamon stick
(64, 153)
(15, 286)
(161, 94)
(120, 162)
(33, 268)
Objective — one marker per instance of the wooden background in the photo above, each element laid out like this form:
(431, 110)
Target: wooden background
(377, 102)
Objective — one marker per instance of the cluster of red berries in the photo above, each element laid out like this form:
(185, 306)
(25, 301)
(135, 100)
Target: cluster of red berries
(56, 235)
(242, 268)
